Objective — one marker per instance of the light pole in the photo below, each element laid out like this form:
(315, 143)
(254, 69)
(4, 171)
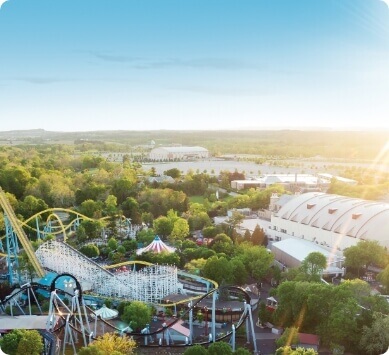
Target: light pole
(206, 320)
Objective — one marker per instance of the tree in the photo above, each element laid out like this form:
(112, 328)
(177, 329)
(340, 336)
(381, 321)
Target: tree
(22, 341)
(54, 188)
(180, 230)
(90, 250)
(257, 260)
(236, 219)
(288, 337)
(211, 231)
(31, 206)
(130, 209)
(375, 339)
(218, 269)
(195, 265)
(287, 350)
(313, 266)
(93, 229)
(163, 258)
(91, 209)
(163, 226)
(247, 235)
(264, 314)
(258, 236)
(222, 243)
(238, 271)
(329, 311)
(31, 343)
(174, 173)
(111, 205)
(26, 266)
(14, 180)
(124, 186)
(365, 253)
(341, 326)
(199, 221)
(160, 201)
(145, 236)
(242, 351)
(110, 344)
(219, 348)
(196, 350)
(137, 315)
(383, 277)
(130, 245)
(112, 243)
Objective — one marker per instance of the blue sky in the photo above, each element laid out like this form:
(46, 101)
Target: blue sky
(80, 65)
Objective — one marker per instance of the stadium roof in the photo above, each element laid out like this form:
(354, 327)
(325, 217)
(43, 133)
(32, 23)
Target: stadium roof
(352, 217)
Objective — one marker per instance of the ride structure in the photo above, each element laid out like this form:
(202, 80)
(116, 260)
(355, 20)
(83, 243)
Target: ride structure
(73, 324)
(150, 284)
(13, 230)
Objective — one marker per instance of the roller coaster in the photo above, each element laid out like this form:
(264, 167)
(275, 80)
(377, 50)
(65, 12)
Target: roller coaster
(68, 323)
(73, 321)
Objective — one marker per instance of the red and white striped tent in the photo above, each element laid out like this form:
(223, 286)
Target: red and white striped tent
(156, 246)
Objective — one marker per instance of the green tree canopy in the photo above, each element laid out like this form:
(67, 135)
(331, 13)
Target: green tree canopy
(174, 173)
(257, 260)
(196, 350)
(137, 315)
(313, 266)
(22, 341)
(219, 348)
(365, 253)
(375, 339)
(222, 243)
(383, 277)
(218, 269)
(91, 209)
(327, 310)
(287, 350)
(110, 344)
(180, 230)
(163, 226)
(90, 250)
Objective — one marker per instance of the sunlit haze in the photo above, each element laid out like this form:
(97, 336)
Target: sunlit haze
(195, 64)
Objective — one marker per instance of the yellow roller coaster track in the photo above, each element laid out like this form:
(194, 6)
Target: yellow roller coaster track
(20, 233)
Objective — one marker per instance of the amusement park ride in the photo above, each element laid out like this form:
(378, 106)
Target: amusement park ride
(72, 323)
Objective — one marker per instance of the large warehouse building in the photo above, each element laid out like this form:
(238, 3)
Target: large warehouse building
(178, 153)
(331, 221)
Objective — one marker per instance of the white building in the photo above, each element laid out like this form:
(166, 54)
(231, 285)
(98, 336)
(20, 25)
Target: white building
(291, 253)
(293, 182)
(178, 153)
(331, 221)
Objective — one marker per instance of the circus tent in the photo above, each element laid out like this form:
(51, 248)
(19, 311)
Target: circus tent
(106, 313)
(156, 246)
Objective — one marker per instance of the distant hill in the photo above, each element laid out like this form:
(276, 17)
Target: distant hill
(350, 145)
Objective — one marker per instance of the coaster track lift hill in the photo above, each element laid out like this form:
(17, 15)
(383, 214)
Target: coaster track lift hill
(13, 229)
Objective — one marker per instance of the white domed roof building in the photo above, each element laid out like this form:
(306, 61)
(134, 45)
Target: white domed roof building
(178, 153)
(331, 221)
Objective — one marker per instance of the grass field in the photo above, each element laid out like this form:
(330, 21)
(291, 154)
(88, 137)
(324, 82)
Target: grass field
(196, 199)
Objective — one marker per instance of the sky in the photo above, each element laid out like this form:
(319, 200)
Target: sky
(82, 65)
